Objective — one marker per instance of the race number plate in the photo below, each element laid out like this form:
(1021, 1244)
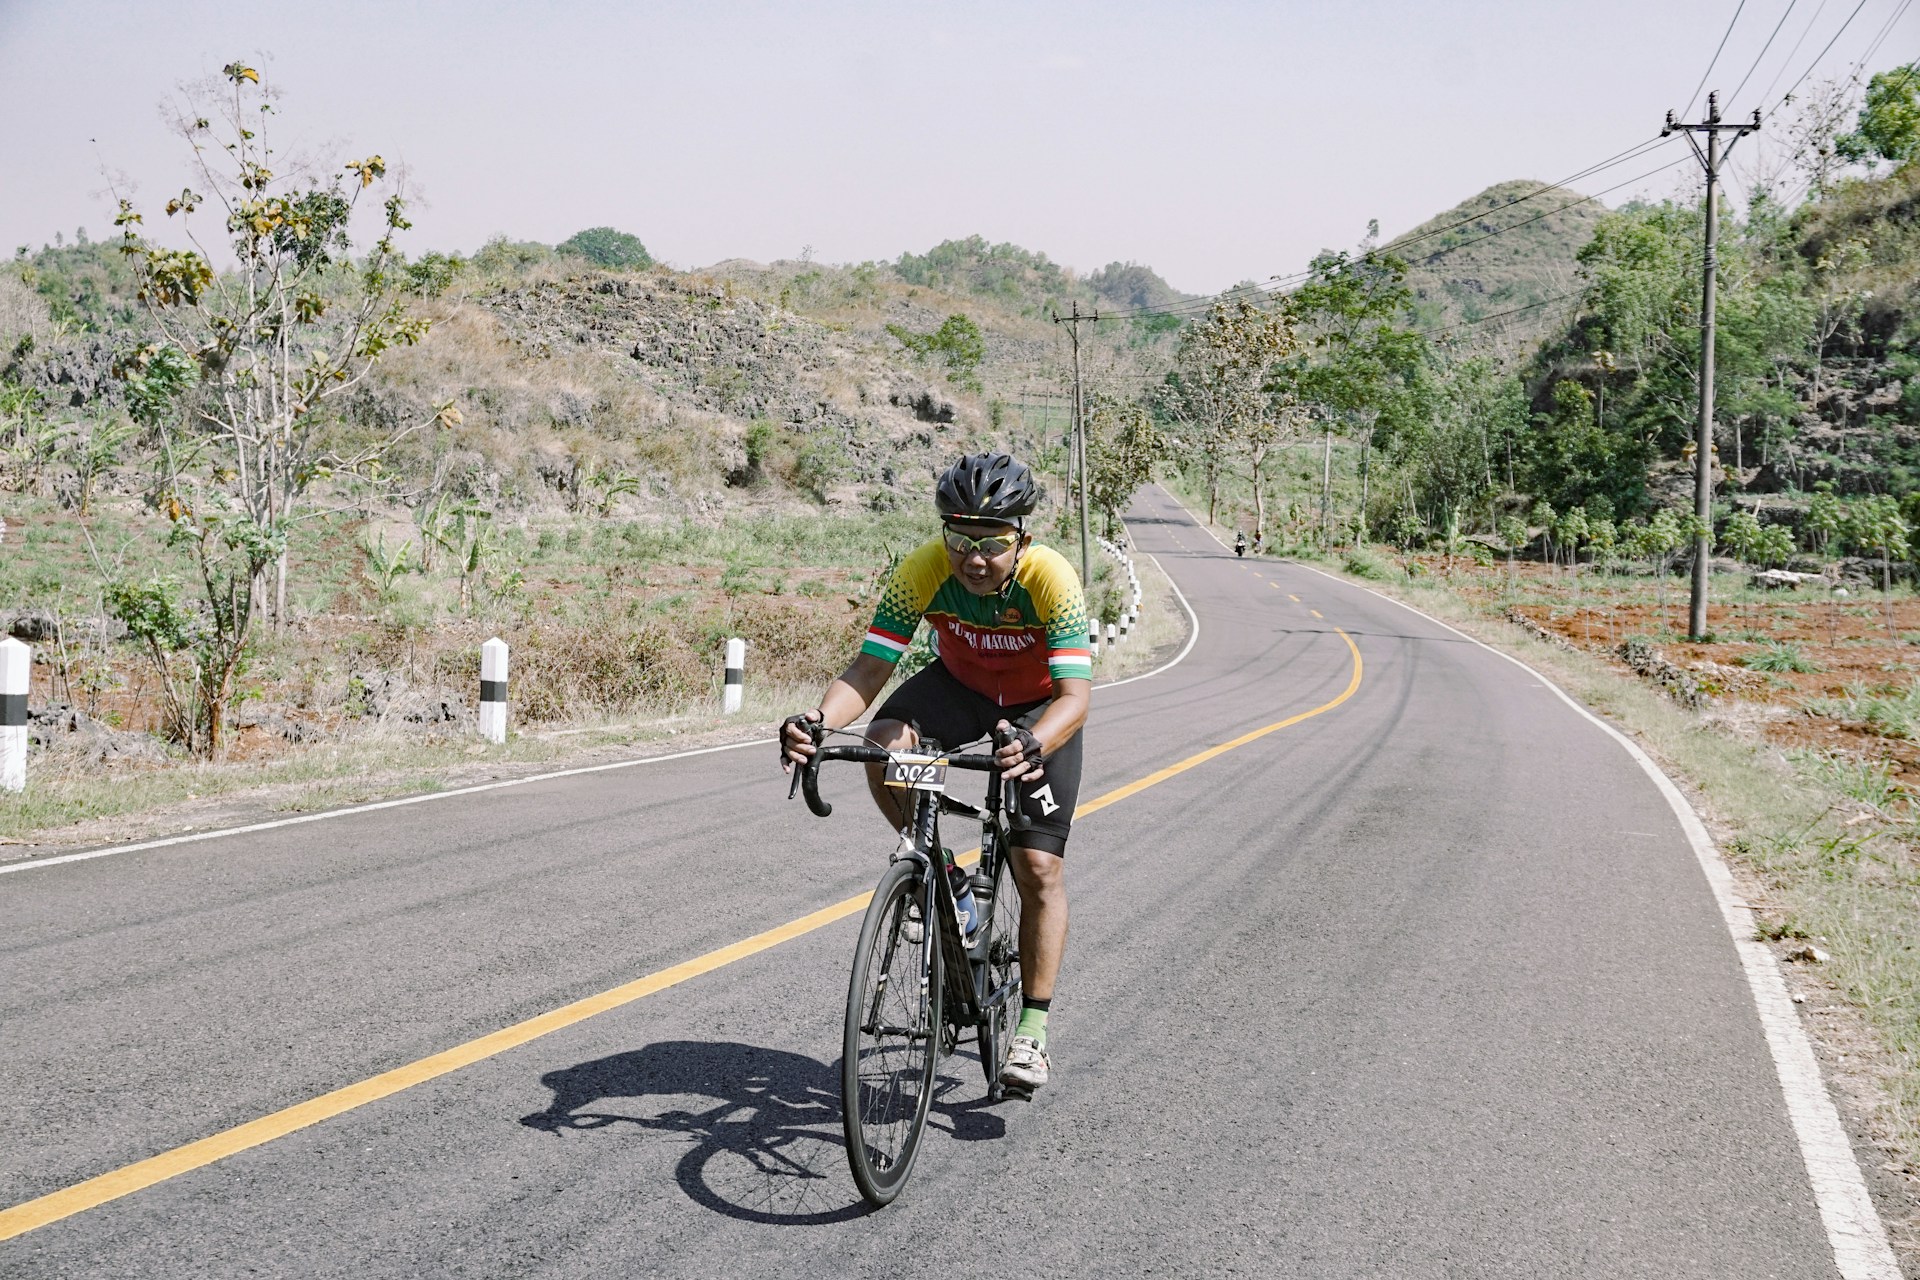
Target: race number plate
(917, 773)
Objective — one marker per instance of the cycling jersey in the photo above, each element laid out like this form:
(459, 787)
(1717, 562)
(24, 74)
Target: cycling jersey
(1008, 646)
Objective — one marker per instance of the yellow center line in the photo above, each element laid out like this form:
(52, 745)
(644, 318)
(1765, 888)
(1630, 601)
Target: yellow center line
(93, 1192)
(1293, 597)
(1316, 613)
(1274, 585)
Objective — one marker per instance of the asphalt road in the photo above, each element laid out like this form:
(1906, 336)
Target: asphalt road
(1427, 983)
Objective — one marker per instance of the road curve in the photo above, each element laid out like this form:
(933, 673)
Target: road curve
(1422, 981)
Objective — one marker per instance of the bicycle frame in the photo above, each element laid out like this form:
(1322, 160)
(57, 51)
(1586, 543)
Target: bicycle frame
(966, 1003)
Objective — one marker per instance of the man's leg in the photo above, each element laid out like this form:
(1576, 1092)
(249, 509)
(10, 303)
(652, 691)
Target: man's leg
(894, 736)
(1043, 919)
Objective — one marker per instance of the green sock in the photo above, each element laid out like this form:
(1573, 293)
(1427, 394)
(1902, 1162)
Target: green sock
(1033, 1022)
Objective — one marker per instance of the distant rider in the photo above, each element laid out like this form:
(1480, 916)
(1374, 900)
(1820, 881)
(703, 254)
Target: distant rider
(1009, 626)
(1239, 543)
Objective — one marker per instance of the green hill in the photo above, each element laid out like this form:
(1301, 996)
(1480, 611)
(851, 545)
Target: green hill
(1499, 251)
(1030, 283)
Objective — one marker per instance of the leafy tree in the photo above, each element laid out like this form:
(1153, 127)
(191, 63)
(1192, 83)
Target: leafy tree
(606, 247)
(1878, 525)
(1219, 391)
(1542, 514)
(1512, 532)
(1889, 127)
(1826, 517)
(1453, 451)
(1569, 531)
(277, 342)
(1776, 546)
(1122, 446)
(1656, 542)
(958, 343)
(1359, 368)
(1742, 537)
(1604, 539)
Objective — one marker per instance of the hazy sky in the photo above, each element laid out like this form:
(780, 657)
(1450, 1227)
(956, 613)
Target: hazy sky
(1213, 141)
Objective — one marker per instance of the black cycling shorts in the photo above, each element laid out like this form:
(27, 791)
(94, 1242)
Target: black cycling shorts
(953, 715)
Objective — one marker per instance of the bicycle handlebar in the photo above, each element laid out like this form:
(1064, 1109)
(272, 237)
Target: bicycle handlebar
(807, 776)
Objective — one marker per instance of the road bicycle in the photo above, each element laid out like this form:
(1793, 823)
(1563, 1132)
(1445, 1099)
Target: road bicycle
(919, 987)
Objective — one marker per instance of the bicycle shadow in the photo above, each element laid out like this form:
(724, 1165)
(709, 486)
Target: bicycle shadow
(764, 1123)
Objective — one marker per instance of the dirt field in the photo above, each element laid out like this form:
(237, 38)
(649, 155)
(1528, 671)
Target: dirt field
(1857, 653)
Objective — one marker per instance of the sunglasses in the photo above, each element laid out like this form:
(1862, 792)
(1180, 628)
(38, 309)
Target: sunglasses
(990, 546)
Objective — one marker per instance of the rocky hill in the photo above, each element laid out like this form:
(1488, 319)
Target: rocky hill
(1498, 252)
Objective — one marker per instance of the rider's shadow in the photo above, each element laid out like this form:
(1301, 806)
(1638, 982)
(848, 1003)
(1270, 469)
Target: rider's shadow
(764, 1123)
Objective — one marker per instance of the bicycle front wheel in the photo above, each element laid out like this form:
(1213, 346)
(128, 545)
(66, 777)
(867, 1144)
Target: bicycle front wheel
(998, 973)
(893, 1027)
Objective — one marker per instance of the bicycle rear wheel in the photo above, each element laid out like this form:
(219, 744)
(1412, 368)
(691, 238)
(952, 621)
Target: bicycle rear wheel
(892, 1036)
(1000, 973)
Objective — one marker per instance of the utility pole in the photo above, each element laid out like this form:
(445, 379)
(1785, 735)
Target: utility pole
(1710, 159)
(1073, 323)
(1326, 492)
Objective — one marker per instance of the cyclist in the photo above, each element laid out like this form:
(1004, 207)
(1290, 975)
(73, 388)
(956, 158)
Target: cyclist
(1009, 628)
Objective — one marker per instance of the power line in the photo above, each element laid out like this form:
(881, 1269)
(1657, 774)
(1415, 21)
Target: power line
(1760, 57)
(1885, 30)
(1787, 61)
(1788, 95)
(1716, 57)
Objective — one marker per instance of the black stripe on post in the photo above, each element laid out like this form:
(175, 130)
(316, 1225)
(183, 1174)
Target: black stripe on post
(736, 676)
(13, 710)
(493, 691)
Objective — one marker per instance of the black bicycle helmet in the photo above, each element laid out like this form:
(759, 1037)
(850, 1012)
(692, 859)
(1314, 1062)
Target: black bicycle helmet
(986, 486)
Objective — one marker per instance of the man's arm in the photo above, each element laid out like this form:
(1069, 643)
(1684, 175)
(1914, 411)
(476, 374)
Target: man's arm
(851, 693)
(854, 690)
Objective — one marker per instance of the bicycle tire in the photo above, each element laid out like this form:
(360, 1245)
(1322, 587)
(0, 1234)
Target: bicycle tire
(891, 1046)
(999, 965)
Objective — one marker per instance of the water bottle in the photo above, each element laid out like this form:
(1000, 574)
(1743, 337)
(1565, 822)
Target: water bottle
(966, 907)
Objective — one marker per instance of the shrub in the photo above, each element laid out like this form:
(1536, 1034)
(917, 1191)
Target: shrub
(1363, 564)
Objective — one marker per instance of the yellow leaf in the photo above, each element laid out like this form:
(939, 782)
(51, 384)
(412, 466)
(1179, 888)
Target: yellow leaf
(449, 416)
(237, 72)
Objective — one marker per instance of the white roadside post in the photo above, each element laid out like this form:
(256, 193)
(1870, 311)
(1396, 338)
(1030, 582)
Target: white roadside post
(1124, 615)
(736, 675)
(1113, 635)
(493, 690)
(1093, 638)
(16, 664)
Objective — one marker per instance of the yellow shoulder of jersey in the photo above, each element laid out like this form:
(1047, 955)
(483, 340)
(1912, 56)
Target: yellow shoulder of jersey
(1045, 572)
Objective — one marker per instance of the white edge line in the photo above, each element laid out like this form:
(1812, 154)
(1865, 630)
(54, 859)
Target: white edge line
(1859, 1239)
(369, 808)
(190, 837)
(1193, 636)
